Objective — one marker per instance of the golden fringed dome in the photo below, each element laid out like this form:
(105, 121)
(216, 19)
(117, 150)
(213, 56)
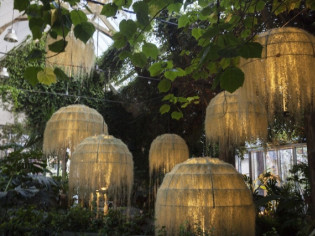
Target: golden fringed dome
(284, 77)
(77, 60)
(206, 193)
(231, 120)
(166, 151)
(68, 126)
(101, 169)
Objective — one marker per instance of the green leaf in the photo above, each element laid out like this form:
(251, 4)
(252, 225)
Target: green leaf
(119, 40)
(58, 46)
(156, 69)
(30, 75)
(225, 63)
(78, 17)
(168, 97)
(174, 7)
(174, 73)
(37, 26)
(21, 5)
(229, 52)
(109, 10)
(231, 79)
(35, 54)
(251, 50)
(164, 85)
(150, 50)
(260, 5)
(165, 108)
(142, 10)
(119, 3)
(60, 74)
(177, 115)
(47, 76)
(127, 28)
(197, 33)
(139, 59)
(203, 3)
(124, 54)
(84, 31)
(183, 21)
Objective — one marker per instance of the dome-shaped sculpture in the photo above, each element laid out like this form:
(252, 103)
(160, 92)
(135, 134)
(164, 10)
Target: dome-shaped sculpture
(101, 170)
(231, 120)
(78, 58)
(284, 76)
(68, 126)
(166, 151)
(206, 192)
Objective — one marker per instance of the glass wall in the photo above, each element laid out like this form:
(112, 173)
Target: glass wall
(276, 160)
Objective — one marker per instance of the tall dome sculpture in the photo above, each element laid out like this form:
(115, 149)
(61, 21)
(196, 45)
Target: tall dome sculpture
(284, 76)
(166, 151)
(68, 126)
(206, 192)
(231, 120)
(101, 170)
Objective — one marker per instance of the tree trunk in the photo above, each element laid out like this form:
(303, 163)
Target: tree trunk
(310, 141)
(227, 154)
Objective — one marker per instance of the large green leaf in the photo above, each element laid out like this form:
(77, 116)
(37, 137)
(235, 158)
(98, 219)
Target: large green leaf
(127, 28)
(119, 40)
(84, 31)
(21, 5)
(35, 54)
(174, 73)
(183, 21)
(78, 17)
(36, 25)
(164, 85)
(58, 46)
(165, 108)
(139, 59)
(231, 79)
(156, 69)
(150, 50)
(251, 50)
(142, 10)
(30, 75)
(174, 7)
(177, 115)
(109, 10)
(60, 74)
(47, 76)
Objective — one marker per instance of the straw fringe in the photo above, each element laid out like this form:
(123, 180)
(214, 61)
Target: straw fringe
(77, 60)
(101, 170)
(206, 192)
(284, 77)
(69, 126)
(231, 120)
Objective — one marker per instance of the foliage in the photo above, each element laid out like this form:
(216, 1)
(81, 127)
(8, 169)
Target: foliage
(21, 179)
(32, 221)
(284, 210)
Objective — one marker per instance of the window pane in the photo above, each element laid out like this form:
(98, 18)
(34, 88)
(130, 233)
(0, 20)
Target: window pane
(286, 160)
(301, 155)
(244, 165)
(272, 162)
(258, 164)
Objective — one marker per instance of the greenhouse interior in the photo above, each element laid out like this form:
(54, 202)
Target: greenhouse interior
(165, 118)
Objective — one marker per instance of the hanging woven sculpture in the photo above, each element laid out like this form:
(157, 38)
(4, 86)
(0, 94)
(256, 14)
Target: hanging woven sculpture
(78, 58)
(206, 193)
(68, 126)
(101, 170)
(284, 76)
(230, 121)
(166, 151)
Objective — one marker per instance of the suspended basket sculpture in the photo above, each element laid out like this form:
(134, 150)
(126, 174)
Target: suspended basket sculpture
(77, 60)
(284, 76)
(67, 127)
(166, 151)
(230, 121)
(101, 170)
(206, 193)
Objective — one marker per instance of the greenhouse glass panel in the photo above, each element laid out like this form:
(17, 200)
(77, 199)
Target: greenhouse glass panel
(272, 162)
(286, 160)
